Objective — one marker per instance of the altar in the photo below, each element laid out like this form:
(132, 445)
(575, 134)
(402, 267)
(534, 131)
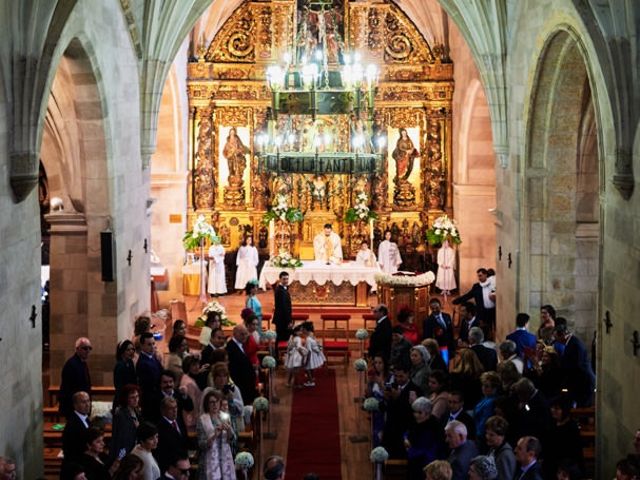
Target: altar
(346, 284)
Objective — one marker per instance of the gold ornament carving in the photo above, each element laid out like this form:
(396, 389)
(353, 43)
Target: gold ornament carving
(435, 167)
(236, 41)
(204, 173)
(404, 117)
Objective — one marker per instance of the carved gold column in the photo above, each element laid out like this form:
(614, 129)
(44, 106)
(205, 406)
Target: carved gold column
(203, 171)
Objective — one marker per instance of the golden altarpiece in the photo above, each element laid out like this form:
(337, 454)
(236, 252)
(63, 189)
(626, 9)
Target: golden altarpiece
(229, 103)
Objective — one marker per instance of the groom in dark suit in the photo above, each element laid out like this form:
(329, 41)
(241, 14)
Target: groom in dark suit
(380, 342)
(282, 310)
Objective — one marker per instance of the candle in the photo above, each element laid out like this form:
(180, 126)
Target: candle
(371, 232)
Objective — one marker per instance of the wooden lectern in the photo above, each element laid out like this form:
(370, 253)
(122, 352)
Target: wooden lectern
(397, 296)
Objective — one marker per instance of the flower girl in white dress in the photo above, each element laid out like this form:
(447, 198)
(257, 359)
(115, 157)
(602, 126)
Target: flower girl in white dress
(296, 355)
(316, 358)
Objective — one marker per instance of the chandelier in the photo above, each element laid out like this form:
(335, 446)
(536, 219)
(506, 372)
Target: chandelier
(321, 117)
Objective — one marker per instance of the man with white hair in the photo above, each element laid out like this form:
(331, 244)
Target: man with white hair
(75, 375)
(487, 356)
(240, 367)
(508, 354)
(462, 450)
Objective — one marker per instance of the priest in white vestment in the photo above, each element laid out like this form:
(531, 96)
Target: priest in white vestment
(365, 256)
(327, 247)
(389, 255)
(217, 281)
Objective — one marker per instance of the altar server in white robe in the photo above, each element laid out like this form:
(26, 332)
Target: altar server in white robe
(389, 255)
(217, 282)
(365, 256)
(327, 246)
(247, 262)
(446, 280)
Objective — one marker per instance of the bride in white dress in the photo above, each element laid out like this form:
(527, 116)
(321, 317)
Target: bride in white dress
(247, 262)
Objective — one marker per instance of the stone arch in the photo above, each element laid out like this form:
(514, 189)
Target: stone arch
(74, 154)
(561, 186)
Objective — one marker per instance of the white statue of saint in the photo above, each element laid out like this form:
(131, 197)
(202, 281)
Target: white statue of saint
(446, 280)
(389, 255)
(217, 282)
(327, 247)
(365, 256)
(247, 262)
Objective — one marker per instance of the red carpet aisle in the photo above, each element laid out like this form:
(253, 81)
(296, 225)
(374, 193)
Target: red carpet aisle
(314, 435)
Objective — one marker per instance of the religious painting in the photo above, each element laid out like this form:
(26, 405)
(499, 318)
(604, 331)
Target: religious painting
(404, 166)
(320, 28)
(233, 161)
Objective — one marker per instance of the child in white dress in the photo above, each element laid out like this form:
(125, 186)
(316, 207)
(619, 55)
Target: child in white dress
(316, 358)
(296, 355)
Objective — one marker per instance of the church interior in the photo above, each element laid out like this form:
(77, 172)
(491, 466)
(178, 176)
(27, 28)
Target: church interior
(143, 142)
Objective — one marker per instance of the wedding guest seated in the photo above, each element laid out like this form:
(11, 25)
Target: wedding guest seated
(420, 357)
(527, 452)
(177, 352)
(462, 451)
(405, 320)
(438, 470)
(439, 393)
(508, 355)
(483, 467)
(424, 440)
(399, 397)
(457, 412)
(496, 429)
(400, 348)
(436, 362)
(464, 375)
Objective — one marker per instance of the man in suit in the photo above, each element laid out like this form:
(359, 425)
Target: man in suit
(172, 433)
(462, 450)
(527, 452)
(148, 370)
(574, 362)
(380, 342)
(488, 356)
(439, 327)
(524, 340)
(273, 468)
(75, 429)
(282, 309)
(167, 390)
(457, 413)
(216, 342)
(483, 294)
(399, 412)
(179, 467)
(468, 321)
(75, 375)
(242, 372)
(533, 416)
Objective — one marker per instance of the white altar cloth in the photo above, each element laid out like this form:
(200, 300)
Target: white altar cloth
(320, 273)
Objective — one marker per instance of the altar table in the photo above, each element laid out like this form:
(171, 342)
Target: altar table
(316, 283)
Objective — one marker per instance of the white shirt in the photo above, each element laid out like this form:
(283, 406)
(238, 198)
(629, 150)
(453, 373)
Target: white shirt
(83, 418)
(239, 344)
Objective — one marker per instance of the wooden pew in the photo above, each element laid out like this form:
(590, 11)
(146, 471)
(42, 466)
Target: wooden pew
(97, 392)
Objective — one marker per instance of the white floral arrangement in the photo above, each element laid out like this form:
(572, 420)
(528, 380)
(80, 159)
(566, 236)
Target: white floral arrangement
(405, 280)
(202, 230)
(269, 362)
(360, 365)
(269, 335)
(379, 455)
(244, 461)
(443, 228)
(261, 404)
(371, 404)
(362, 334)
(280, 210)
(285, 260)
(360, 210)
(214, 307)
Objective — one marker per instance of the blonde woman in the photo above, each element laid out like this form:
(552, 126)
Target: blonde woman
(214, 440)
